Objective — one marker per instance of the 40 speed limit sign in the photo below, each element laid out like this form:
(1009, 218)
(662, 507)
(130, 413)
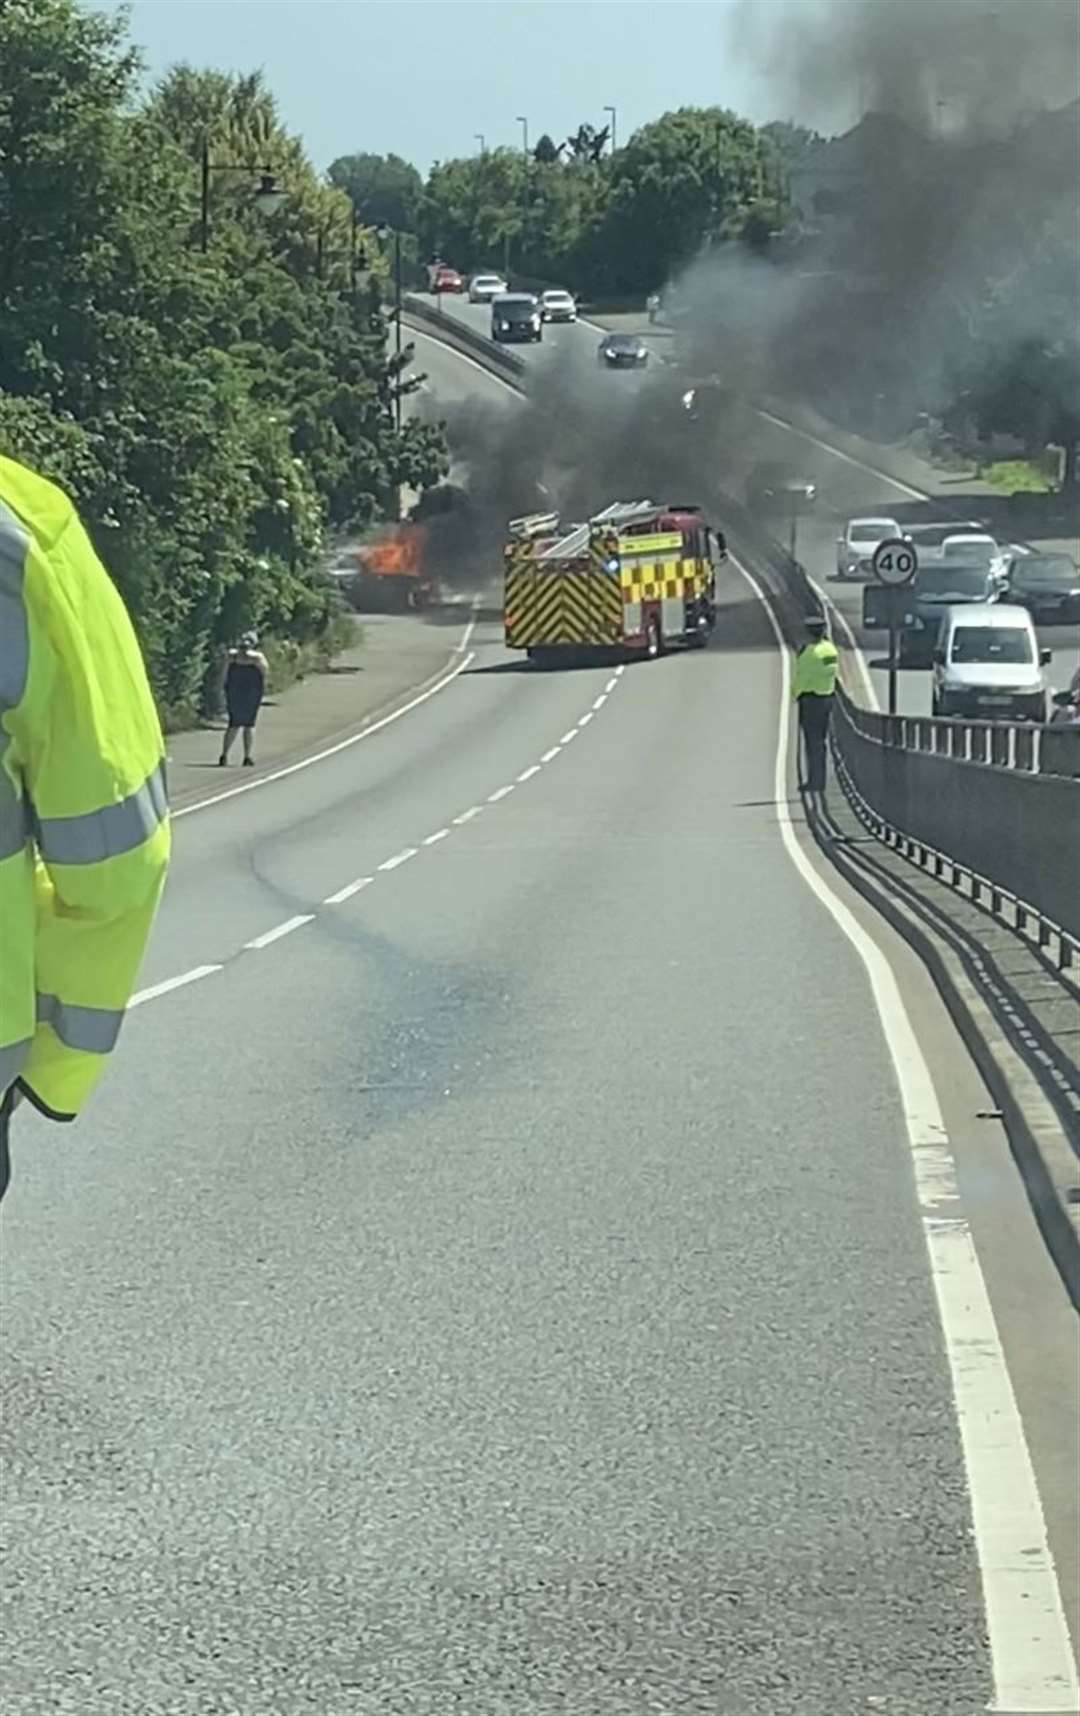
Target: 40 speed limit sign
(895, 562)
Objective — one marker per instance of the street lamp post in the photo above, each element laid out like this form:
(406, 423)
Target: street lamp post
(268, 198)
(611, 110)
(481, 139)
(524, 123)
(384, 233)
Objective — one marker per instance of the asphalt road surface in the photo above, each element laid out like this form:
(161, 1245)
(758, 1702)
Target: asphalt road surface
(501, 1272)
(847, 489)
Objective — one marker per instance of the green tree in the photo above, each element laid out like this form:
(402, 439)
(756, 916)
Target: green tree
(383, 188)
(687, 179)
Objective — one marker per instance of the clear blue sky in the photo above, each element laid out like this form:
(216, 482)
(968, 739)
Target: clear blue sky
(421, 77)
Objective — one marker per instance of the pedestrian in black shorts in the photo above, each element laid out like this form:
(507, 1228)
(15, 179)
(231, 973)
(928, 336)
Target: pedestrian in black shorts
(245, 685)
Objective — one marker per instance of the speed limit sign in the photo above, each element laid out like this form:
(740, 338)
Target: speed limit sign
(895, 561)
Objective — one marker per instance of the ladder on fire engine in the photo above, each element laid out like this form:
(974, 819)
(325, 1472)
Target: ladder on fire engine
(620, 513)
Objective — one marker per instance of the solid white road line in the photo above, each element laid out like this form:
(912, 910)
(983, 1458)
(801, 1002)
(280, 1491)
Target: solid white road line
(527, 774)
(331, 750)
(549, 756)
(286, 928)
(1033, 1663)
(439, 834)
(347, 892)
(172, 983)
(399, 858)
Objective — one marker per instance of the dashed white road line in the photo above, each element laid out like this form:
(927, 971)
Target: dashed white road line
(527, 774)
(172, 983)
(566, 738)
(601, 700)
(439, 834)
(585, 719)
(280, 930)
(549, 756)
(399, 858)
(348, 891)
(1033, 1663)
(500, 792)
(612, 682)
(467, 815)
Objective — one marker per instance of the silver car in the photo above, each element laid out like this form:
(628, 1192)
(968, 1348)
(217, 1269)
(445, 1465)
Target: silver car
(484, 287)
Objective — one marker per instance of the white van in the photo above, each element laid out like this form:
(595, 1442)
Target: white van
(988, 664)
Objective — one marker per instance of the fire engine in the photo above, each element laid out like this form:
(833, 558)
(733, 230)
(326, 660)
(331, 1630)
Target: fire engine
(636, 576)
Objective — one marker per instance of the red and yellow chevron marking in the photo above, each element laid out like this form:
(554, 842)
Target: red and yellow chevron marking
(570, 602)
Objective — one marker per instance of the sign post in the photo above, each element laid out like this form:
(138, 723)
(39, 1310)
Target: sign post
(894, 565)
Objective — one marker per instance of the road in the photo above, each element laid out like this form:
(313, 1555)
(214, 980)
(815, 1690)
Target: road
(501, 1272)
(847, 489)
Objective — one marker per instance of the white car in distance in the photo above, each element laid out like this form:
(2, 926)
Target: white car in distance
(856, 544)
(484, 287)
(558, 306)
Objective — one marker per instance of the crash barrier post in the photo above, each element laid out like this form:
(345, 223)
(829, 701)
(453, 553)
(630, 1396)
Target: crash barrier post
(465, 338)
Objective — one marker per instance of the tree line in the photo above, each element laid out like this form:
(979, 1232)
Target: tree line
(214, 413)
(607, 224)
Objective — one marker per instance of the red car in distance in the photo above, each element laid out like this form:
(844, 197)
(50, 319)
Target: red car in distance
(445, 279)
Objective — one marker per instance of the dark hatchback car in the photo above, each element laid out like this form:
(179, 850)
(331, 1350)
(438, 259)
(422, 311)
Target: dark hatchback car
(1047, 585)
(622, 351)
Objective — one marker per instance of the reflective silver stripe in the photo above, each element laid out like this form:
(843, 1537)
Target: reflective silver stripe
(105, 833)
(94, 1030)
(14, 668)
(12, 1060)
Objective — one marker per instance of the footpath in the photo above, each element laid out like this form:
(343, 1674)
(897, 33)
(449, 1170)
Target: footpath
(397, 655)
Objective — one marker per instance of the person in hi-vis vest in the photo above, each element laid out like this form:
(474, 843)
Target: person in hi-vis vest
(813, 687)
(84, 828)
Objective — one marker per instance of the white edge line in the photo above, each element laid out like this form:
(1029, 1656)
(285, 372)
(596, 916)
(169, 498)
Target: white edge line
(467, 815)
(1033, 1663)
(171, 983)
(330, 750)
(549, 756)
(527, 774)
(417, 327)
(347, 892)
(399, 858)
(286, 928)
(500, 792)
(838, 453)
(439, 834)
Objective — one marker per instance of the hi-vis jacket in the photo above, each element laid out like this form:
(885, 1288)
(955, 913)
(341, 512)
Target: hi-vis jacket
(84, 834)
(815, 669)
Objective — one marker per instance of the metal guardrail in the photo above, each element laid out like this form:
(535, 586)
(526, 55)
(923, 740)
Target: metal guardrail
(1057, 944)
(1019, 745)
(460, 334)
(994, 816)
